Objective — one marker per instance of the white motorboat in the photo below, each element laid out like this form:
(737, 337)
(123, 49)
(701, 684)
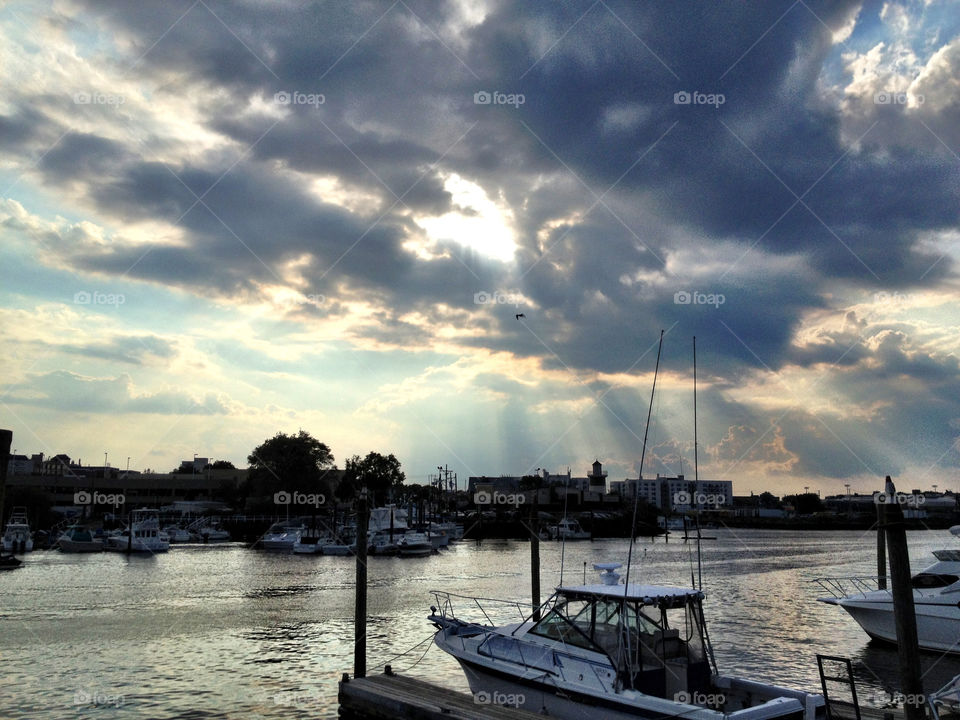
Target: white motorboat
(936, 590)
(282, 536)
(414, 544)
(212, 534)
(381, 543)
(610, 650)
(568, 529)
(16, 536)
(77, 539)
(177, 534)
(147, 535)
(310, 542)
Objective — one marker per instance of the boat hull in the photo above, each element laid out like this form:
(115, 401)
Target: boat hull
(938, 625)
(121, 544)
(17, 546)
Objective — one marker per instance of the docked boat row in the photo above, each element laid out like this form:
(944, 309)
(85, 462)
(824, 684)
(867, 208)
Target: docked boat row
(388, 534)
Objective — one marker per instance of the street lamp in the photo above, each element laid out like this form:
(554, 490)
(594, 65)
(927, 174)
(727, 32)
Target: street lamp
(847, 486)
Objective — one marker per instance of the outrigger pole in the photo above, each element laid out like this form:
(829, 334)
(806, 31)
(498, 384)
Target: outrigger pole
(636, 498)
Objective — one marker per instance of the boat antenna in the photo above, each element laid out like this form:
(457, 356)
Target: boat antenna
(643, 452)
(633, 522)
(696, 465)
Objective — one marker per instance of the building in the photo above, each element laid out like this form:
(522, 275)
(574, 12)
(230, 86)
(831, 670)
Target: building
(678, 494)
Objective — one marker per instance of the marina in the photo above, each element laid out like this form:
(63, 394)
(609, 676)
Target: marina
(274, 631)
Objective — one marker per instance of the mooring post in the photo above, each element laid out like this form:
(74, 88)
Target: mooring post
(360, 606)
(534, 562)
(908, 648)
(6, 439)
(881, 548)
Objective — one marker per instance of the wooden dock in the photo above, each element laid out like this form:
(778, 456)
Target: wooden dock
(388, 697)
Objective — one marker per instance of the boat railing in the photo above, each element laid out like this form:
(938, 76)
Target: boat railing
(495, 611)
(841, 587)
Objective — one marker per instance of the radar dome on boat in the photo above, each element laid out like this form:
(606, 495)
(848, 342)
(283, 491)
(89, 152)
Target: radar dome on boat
(609, 576)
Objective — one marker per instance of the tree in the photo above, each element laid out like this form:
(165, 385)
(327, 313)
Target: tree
(805, 503)
(288, 464)
(768, 500)
(379, 474)
(222, 465)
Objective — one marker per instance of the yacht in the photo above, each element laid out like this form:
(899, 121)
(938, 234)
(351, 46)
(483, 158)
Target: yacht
(936, 591)
(211, 534)
(16, 536)
(177, 534)
(147, 535)
(77, 539)
(310, 542)
(607, 649)
(414, 544)
(568, 529)
(381, 543)
(282, 535)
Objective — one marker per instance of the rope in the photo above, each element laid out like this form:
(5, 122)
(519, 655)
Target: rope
(407, 652)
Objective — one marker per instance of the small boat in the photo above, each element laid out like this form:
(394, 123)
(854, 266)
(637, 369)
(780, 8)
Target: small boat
(177, 534)
(310, 542)
(282, 535)
(17, 537)
(414, 544)
(568, 529)
(78, 539)
(212, 534)
(608, 650)
(337, 547)
(147, 535)
(935, 591)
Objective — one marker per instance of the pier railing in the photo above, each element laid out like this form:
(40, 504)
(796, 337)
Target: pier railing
(841, 587)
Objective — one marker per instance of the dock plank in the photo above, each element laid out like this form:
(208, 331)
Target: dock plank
(387, 697)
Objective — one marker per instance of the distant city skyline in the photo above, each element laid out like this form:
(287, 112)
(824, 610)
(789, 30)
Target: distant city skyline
(454, 231)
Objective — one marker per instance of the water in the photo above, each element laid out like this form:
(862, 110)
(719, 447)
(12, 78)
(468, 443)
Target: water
(226, 632)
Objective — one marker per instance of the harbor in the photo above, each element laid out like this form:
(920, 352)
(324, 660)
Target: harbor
(85, 635)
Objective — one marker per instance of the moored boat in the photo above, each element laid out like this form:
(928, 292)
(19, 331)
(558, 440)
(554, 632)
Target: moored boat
(17, 537)
(147, 537)
(78, 539)
(610, 650)
(935, 591)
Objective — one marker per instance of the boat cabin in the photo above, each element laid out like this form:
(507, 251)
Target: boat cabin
(653, 635)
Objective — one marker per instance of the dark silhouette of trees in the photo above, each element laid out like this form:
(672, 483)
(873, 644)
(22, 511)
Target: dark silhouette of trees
(379, 474)
(286, 464)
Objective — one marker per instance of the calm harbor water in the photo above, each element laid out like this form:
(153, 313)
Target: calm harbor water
(226, 632)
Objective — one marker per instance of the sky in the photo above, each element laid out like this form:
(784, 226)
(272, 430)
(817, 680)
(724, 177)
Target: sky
(223, 220)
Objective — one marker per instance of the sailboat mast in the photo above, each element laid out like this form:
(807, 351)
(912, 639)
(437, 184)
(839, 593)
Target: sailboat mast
(696, 464)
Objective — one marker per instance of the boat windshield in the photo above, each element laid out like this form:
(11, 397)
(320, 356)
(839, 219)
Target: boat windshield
(927, 581)
(645, 643)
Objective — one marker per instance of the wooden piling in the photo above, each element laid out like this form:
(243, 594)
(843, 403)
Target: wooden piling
(881, 548)
(6, 439)
(360, 605)
(908, 648)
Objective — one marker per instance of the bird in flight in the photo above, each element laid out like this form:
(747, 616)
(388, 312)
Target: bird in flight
(520, 315)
